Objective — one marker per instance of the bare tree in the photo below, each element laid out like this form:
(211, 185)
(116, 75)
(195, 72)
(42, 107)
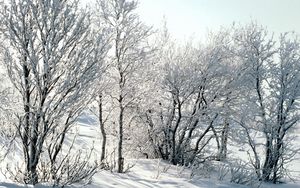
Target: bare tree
(272, 80)
(195, 84)
(130, 51)
(52, 57)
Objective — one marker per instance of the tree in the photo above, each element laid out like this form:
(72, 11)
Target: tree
(272, 96)
(286, 111)
(194, 85)
(52, 57)
(130, 51)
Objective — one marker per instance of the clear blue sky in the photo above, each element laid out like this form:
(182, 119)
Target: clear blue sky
(195, 17)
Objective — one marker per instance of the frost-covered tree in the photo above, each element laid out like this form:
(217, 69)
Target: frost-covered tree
(130, 51)
(52, 56)
(192, 88)
(270, 103)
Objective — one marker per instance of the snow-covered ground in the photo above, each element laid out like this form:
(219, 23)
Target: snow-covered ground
(154, 173)
(146, 173)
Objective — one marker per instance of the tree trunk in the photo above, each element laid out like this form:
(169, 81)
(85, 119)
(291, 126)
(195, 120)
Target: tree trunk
(277, 154)
(268, 160)
(224, 137)
(102, 129)
(175, 153)
(120, 141)
(29, 135)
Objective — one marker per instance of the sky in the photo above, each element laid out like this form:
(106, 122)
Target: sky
(186, 18)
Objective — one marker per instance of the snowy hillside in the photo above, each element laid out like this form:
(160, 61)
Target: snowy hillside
(147, 173)
(144, 173)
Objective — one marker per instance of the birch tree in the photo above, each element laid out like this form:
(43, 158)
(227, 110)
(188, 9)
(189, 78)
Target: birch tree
(52, 58)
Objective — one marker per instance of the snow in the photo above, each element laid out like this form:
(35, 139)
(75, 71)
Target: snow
(145, 173)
